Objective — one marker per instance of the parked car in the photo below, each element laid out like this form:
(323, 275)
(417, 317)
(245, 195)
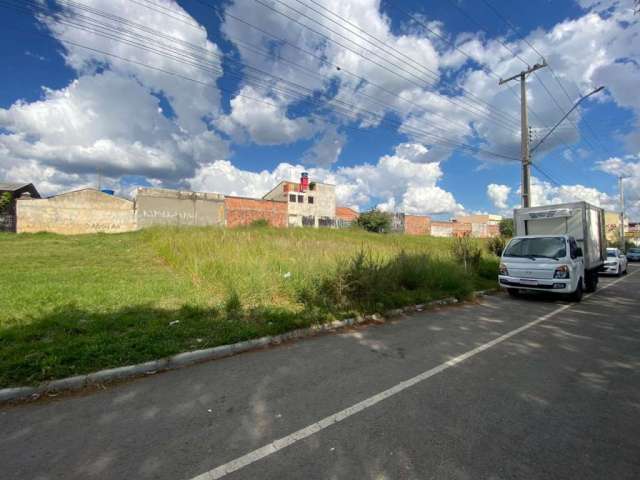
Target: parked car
(616, 262)
(633, 255)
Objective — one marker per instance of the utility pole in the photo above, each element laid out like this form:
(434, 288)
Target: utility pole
(621, 191)
(524, 131)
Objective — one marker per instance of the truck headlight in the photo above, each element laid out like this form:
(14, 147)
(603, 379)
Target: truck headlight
(562, 272)
(503, 269)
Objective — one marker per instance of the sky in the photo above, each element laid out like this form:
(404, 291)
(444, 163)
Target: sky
(397, 102)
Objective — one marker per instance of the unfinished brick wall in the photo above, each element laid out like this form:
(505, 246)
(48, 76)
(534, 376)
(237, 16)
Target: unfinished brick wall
(462, 229)
(242, 211)
(417, 225)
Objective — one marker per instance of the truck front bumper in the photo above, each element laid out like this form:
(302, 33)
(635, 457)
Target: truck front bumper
(555, 285)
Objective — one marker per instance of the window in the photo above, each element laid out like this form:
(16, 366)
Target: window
(573, 248)
(309, 199)
(542, 247)
(300, 198)
(292, 198)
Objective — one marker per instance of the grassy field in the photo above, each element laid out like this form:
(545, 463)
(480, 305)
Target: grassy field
(71, 305)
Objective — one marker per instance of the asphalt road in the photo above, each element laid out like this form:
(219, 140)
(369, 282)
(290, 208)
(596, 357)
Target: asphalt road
(531, 388)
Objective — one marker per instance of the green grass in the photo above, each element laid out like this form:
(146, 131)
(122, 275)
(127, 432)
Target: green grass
(76, 304)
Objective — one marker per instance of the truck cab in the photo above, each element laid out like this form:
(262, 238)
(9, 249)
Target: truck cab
(552, 263)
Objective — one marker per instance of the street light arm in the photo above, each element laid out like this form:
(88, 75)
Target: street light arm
(564, 117)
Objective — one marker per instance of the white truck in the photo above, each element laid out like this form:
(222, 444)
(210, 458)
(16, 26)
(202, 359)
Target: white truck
(557, 248)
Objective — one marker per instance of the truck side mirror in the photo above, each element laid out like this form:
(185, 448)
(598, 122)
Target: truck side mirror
(579, 252)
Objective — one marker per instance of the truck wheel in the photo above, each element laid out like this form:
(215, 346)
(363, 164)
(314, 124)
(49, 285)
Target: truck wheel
(513, 292)
(591, 281)
(577, 295)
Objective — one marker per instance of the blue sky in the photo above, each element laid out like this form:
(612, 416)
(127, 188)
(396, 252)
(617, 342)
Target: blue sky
(234, 96)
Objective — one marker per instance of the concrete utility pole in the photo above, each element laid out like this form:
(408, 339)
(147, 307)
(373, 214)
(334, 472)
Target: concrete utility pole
(621, 191)
(524, 131)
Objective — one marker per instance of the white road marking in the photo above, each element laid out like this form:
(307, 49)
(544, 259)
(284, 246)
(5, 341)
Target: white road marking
(305, 432)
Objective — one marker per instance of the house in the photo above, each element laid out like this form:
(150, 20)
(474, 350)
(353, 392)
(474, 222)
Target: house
(479, 226)
(309, 204)
(345, 217)
(9, 193)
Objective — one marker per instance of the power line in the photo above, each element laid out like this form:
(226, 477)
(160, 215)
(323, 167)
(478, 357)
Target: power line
(409, 60)
(472, 20)
(467, 107)
(524, 39)
(197, 64)
(441, 141)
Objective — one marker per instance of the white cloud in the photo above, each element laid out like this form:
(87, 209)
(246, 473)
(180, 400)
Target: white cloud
(264, 118)
(327, 148)
(499, 195)
(110, 119)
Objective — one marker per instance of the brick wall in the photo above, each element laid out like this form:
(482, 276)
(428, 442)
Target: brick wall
(462, 229)
(242, 211)
(417, 225)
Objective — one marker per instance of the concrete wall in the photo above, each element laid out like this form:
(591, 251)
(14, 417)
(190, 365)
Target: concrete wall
(417, 225)
(441, 229)
(82, 211)
(242, 211)
(158, 206)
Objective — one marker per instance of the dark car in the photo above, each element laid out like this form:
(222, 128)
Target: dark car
(633, 255)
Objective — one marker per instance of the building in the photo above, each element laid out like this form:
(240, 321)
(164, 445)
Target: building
(309, 204)
(612, 226)
(481, 225)
(345, 217)
(9, 194)
(417, 225)
(441, 229)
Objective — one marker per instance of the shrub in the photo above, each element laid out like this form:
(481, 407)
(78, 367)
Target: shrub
(233, 305)
(468, 251)
(375, 221)
(496, 245)
(366, 282)
(260, 222)
(488, 268)
(506, 227)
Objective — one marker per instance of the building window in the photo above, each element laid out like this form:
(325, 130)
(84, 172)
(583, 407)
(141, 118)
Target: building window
(310, 199)
(292, 198)
(300, 198)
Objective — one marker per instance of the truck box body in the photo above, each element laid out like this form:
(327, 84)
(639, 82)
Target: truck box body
(581, 220)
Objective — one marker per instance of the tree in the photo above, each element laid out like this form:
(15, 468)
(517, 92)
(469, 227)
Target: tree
(375, 221)
(5, 200)
(506, 227)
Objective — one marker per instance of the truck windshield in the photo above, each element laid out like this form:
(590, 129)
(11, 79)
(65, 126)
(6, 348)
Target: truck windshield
(542, 247)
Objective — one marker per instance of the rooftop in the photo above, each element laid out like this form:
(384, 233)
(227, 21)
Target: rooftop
(11, 187)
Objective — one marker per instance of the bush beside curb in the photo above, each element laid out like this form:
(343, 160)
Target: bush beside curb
(179, 360)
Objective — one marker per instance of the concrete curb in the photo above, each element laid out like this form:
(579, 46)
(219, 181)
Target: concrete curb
(198, 356)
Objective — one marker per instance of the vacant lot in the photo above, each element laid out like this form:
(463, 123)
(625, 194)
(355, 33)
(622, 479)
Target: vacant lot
(71, 305)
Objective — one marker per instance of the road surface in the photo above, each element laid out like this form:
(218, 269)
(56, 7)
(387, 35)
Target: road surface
(527, 388)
